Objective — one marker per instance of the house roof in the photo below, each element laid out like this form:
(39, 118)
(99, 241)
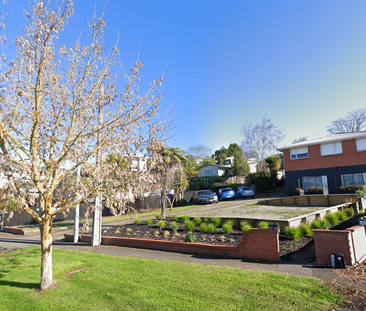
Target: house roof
(215, 165)
(326, 139)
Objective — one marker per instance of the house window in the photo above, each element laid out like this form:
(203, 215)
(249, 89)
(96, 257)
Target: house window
(299, 153)
(312, 183)
(358, 179)
(361, 144)
(208, 173)
(328, 149)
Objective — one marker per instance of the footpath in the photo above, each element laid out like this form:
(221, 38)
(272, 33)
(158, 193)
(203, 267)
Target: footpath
(9, 242)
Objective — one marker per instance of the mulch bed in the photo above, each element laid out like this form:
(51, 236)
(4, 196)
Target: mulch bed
(301, 251)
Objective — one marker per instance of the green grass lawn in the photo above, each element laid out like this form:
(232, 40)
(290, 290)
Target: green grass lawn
(87, 281)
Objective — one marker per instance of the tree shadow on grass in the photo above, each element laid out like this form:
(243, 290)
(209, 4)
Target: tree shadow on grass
(19, 284)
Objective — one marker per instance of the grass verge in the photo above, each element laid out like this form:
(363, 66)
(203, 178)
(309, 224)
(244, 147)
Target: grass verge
(87, 281)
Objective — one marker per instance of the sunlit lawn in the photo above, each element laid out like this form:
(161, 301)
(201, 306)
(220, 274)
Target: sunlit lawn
(102, 282)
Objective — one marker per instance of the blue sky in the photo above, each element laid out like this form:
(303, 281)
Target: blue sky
(303, 63)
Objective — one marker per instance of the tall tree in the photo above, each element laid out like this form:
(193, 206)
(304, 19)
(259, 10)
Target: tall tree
(199, 151)
(355, 121)
(52, 97)
(221, 155)
(260, 139)
(240, 165)
(274, 164)
(168, 161)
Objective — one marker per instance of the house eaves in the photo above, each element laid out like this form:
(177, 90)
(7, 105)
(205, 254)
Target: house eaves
(333, 138)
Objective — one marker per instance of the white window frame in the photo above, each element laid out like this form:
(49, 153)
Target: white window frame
(330, 149)
(361, 144)
(299, 153)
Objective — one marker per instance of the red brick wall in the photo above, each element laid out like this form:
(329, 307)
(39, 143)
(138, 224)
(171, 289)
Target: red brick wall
(259, 244)
(328, 242)
(349, 157)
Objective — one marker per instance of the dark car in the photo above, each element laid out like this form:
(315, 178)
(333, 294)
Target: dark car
(204, 197)
(244, 192)
(226, 194)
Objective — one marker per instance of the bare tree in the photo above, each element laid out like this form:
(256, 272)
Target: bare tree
(300, 139)
(355, 121)
(199, 151)
(260, 139)
(50, 99)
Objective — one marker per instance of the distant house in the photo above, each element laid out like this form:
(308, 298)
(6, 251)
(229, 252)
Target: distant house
(332, 163)
(214, 170)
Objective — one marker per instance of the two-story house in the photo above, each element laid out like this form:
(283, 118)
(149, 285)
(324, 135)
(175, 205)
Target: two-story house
(332, 163)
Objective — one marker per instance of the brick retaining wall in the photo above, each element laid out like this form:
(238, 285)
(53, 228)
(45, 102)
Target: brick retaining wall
(329, 242)
(258, 244)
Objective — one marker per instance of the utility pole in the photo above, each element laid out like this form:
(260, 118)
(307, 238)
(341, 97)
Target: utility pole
(97, 214)
(77, 211)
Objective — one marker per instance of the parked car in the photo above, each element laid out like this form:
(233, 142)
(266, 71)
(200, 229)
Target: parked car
(204, 197)
(226, 194)
(244, 192)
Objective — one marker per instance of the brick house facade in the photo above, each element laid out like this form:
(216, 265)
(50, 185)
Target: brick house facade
(333, 164)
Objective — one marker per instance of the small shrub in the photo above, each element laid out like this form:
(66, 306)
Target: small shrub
(206, 220)
(316, 224)
(136, 221)
(161, 224)
(350, 212)
(263, 225)
(245, 226)
(148, 221)
(197, 220)
(332, 219)
(185, 218)
(228, 226)
(166, 233)
(175, 217)
(216, 222)
(324, 224)
(203, 227)
(211, 228)
(174, 226)
(158, 216)
(305, 230)
(292, 233)
(189, 237)
(341, 215)
(189, 225)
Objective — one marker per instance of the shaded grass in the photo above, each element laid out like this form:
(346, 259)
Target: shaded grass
(101, 282)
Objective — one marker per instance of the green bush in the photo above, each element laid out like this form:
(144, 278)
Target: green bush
(189, 225)
(189, 237)
(175, 217)
(316, 224)
(341, 215)
(332, 219)
(292, 233)
(203, 227)
(161, 224)
(350, 212)
(136, 221)
(211, 227)
(305, 230)
(185, 218)
(245, 226)
(228, 226)
(206, 220)
(158, 216)
(216, 222)
(174, 226)
(148, 221)
(197, 220)
(263, 225)
(324, 224)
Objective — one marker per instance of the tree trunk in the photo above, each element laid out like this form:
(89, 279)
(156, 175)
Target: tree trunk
(46, 248)
(163, 208)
